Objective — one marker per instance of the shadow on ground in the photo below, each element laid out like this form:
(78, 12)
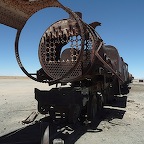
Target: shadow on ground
(33, 133)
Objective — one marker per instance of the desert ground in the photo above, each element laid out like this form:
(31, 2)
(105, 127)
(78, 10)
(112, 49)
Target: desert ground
(124, 125)
(122, 122)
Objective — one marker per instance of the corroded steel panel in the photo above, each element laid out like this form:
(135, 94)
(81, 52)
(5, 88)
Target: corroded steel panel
(112, 57)
(15, 13)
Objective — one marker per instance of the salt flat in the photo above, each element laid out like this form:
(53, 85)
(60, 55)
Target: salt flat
(17, 102)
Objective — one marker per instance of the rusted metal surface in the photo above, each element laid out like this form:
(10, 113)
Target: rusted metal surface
(116, 62)
(15, 13)
(112, 57)
(54, 61)
(57, 63)
(72, 14)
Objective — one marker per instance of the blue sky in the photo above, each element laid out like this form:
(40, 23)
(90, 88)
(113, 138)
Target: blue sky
(122, 26)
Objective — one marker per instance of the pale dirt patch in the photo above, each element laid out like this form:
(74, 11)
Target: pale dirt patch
(17, 102)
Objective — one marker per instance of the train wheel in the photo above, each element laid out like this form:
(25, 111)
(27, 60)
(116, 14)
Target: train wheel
(92, 107)
(109, 95)
(74, 113)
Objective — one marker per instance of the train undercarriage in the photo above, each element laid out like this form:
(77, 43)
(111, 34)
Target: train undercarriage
(80, 100)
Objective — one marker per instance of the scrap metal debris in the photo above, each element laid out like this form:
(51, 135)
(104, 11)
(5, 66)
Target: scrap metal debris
(30, 118)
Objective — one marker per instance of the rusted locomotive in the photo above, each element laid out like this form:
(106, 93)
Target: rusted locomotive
(71, 51)
(96, 71)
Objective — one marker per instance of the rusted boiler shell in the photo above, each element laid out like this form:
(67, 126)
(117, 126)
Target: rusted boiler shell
(61, 53)
(113, 58)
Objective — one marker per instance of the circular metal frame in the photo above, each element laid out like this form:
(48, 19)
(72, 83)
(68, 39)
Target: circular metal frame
(80, 23)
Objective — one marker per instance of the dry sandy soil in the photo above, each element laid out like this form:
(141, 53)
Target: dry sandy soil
(122, 129)
(16, 101)
(121, 125)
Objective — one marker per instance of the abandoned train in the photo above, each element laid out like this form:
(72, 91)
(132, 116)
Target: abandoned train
(96, 71)
(71, 51)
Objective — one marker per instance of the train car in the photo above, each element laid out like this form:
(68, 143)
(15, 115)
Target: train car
(120, 67)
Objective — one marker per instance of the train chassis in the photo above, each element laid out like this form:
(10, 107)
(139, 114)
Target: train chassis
(80, 101)
(69, 103)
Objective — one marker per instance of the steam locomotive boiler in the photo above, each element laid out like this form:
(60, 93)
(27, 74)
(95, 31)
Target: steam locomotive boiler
(71, 51)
